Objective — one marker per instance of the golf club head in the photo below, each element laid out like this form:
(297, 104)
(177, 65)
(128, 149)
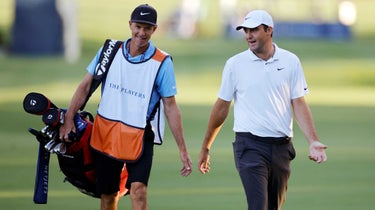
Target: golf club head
(36, 103)
(50, 145)
(60, 148)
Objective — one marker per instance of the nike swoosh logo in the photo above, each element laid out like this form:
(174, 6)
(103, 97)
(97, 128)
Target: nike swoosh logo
(279, 69)
(146, 13)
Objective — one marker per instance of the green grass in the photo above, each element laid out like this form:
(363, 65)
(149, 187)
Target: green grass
(342, 84)
(341, 78)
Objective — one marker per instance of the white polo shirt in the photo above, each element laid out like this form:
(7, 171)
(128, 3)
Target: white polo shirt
(262, 91)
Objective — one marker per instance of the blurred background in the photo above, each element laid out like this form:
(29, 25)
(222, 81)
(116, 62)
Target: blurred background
(56, 26)
(45, 46)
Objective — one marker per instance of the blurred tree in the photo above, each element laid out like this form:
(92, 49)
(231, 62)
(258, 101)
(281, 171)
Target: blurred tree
(68, 10)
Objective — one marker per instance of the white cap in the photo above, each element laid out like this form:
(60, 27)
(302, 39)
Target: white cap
(256, 18)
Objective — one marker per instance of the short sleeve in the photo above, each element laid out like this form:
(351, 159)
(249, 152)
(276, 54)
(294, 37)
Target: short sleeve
(92, 65)
(226, 91)
(299, 86)
(166, 80)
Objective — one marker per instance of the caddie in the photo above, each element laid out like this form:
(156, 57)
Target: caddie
(139, 82)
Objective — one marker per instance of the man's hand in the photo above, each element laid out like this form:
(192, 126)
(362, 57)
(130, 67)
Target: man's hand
(187, 167)
(65, 129)
(204, 161)
(317, 152)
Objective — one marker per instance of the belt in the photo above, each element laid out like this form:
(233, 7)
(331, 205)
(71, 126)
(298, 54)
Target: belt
(268, 140)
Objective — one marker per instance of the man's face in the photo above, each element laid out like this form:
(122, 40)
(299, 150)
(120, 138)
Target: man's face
(257, 37)
(141, 33)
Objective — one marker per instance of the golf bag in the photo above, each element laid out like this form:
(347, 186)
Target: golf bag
(75, 158)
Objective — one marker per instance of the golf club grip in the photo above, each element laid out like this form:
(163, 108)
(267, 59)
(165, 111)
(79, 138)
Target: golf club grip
(41, 177)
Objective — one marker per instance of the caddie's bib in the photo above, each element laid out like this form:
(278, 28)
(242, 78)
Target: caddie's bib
(121, 119)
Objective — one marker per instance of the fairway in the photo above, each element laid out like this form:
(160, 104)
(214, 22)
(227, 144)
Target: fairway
(341, 79)
(342, 101)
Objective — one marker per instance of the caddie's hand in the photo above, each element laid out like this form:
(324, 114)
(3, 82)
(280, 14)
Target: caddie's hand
(66, 129)
(187, 164)
(317, 152)
(204, 161)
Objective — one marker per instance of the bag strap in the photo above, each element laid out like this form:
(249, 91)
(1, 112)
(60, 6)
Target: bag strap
(109, 51)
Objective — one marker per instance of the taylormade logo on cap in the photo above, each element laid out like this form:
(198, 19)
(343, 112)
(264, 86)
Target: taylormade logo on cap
(256, 18)
(144, 13)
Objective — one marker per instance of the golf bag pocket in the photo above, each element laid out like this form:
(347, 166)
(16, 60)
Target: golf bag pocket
(77, 164)
(78, 154)
(116, 139)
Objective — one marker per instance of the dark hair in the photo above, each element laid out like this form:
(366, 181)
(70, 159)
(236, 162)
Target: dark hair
(265, 27)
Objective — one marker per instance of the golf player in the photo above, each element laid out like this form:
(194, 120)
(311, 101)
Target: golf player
(140, 77)
(268, 86)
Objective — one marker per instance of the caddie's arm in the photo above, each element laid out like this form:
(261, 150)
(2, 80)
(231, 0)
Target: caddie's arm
(218, 115)
(77, 101)
(173, 115)
(305, 121)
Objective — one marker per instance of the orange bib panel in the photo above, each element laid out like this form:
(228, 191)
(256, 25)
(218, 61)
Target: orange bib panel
(116, 139)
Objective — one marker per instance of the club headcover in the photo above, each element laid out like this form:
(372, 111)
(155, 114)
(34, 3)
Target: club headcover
(36, 103)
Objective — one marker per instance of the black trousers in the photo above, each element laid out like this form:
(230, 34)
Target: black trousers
(108, 170)
(263, 164)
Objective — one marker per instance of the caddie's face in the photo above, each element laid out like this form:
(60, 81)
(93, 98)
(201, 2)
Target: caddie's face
(141, 33)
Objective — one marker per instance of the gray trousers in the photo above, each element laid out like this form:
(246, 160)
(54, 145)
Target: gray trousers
(263, 164)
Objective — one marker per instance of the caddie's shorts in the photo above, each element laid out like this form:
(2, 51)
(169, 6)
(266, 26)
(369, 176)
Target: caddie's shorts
(108, 170)
(263, 164)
